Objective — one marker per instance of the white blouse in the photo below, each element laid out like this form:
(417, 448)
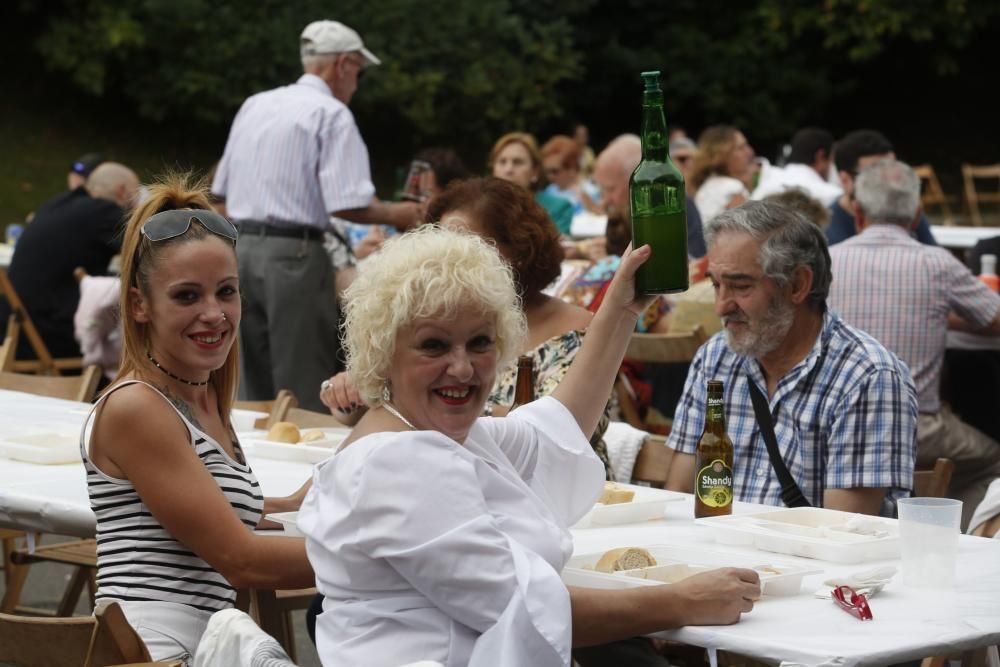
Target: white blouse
(429, 550)
(715, 194)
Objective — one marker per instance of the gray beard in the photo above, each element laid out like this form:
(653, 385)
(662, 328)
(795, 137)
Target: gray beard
(765, 335)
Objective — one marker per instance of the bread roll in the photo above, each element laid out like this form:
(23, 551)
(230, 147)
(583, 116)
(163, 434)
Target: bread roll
(625, 558)
(614, 494)
(284, 432)
(312, 436)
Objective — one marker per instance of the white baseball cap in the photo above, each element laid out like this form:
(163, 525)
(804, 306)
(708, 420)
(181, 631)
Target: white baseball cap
(322, 37)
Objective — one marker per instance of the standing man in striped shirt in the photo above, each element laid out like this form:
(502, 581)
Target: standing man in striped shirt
(905, 294)
(293, 158)
(843, 407)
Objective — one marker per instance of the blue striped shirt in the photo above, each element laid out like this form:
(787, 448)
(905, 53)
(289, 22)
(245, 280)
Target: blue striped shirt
(293, 157)
(844, 417)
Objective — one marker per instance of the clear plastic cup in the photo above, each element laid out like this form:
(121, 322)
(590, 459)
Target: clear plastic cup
(928, 532)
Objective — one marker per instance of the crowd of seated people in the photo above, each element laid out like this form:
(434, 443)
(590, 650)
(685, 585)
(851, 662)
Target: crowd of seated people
(422, 336)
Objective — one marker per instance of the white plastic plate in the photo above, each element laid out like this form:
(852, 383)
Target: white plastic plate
(810, 532)
(42, 448)
(283, 451)
(648, 504)
(676, 563)
(315, 451)
(288, 521)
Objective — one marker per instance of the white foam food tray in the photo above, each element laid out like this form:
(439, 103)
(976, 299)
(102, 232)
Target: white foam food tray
(313, 451)
(288, 521)
(676, 563)
(647, 504)
(42, 448)
(810, 532)
(244, 420)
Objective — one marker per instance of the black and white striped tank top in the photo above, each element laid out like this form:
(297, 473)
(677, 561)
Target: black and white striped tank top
(137, 559)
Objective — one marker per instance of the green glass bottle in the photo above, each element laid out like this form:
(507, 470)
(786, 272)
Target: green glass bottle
(659, 202)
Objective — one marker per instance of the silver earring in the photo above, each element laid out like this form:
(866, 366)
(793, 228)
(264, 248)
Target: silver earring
(224, 318)
(386, 392)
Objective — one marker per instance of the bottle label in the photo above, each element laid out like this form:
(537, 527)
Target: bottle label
(714, 484)
(714, 411)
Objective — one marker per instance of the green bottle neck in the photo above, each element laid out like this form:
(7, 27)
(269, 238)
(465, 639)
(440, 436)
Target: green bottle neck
(654, 127)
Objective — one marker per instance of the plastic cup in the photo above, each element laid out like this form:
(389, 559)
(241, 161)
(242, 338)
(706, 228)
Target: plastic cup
(414, 189)
(928, 531)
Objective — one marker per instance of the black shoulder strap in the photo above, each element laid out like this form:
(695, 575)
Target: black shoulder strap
(790, 491)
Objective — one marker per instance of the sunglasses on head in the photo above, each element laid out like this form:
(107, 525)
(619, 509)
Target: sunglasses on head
(169, 224)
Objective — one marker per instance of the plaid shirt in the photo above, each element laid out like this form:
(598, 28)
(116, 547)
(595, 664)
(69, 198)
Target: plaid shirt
(901, 291)
(844, 417)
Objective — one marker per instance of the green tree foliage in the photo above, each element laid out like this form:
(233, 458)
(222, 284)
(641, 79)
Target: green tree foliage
(768, 66)
(464, 71)
(477, 64)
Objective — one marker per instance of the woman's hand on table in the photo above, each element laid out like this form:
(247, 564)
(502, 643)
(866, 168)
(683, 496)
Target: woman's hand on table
(342, 398)
(277, 505)
(717, 597)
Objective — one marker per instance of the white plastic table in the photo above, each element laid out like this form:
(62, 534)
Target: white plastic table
(962, 238)
(908, 623)
(53, 498)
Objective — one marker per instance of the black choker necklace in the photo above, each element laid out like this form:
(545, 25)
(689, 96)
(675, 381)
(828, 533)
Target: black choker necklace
(179, 379)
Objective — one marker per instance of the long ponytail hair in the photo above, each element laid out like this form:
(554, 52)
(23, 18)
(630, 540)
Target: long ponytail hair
(139, 259)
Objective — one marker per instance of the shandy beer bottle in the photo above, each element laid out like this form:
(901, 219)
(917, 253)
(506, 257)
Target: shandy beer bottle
(713, 482)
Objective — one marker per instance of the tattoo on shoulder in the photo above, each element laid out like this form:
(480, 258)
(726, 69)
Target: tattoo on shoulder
(182, 407)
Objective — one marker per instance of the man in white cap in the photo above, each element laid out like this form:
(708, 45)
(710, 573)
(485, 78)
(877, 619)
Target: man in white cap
(294, 157)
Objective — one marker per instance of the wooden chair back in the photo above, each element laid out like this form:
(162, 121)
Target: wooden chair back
(45, 363)
(114, 641)
(666, 348)
(28, 641)
(973, 195)
(933, 482)
(285, 408)
(8, 348)
(931, 194)
(653, 462)
(309, 419)
(71, 387)
(275, 409)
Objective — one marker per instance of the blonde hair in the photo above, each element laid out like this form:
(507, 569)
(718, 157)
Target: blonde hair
(140, 258)
(429, 272)
(714, 146)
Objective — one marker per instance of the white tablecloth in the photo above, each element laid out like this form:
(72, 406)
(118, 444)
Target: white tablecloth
(962, 237)
(961, 340)
(586, 225)
(909, 623)
(53, 498)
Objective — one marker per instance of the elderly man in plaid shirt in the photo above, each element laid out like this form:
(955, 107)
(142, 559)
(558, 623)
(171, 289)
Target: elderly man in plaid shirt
(844, 408)
(903, 293)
